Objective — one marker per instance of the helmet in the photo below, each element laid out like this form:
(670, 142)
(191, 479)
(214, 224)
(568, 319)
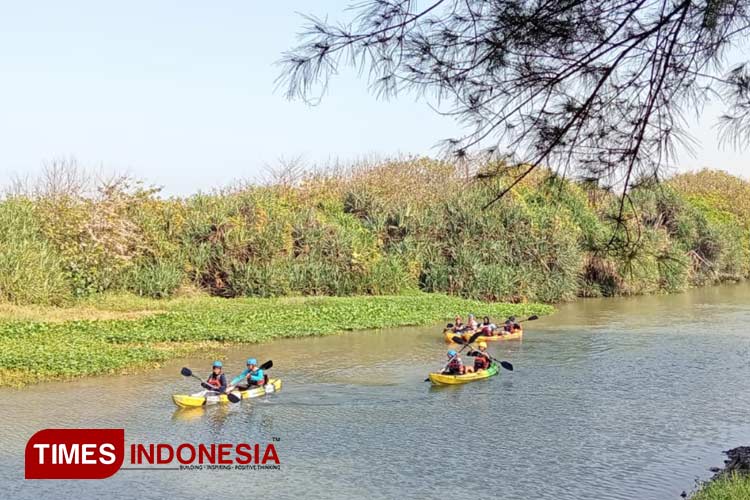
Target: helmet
(482, 344)
(471, 315)
(512, 318)
(457, 318)
(217, 364)
(452, 353)
(252, 361)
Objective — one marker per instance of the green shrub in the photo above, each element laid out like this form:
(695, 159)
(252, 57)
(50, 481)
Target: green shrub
(154, 279)
(390, 228)
(30, 269)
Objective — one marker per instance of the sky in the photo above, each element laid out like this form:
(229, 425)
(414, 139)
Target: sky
(183, 95)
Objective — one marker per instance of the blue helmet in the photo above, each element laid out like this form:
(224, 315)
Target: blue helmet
(217, 364)
(452, 353)
(252, 361)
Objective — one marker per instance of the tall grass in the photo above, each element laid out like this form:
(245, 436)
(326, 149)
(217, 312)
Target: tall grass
(31, 269)
(726, 487)
(387, 228)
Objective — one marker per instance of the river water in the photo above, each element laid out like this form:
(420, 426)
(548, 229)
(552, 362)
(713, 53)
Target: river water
(610, 399)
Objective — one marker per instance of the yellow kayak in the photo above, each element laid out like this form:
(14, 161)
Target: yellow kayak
(491, 338)
(449, 335)
(443, 379)
(517, 334)
(201, 399)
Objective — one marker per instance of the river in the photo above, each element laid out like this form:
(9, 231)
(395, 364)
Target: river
(610, 399)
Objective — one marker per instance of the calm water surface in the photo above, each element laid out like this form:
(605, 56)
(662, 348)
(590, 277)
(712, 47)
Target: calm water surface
(610, 399)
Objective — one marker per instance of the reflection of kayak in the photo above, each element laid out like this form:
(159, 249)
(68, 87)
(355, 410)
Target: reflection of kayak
(188, 413)
(441, 379)
(493, 338)
(200, 398)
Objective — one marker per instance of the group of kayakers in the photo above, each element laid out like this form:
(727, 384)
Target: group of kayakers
(487, 327)
(251, 376)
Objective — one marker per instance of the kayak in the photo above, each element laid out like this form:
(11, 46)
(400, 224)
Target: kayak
(442, 379)
(494, 338)
(202, 399)
(449, 336)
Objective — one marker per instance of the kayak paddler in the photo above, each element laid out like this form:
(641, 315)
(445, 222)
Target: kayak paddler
(482, 360)
(455, 366)
(217, 381)
(472, 323)
(488, 327)
(511, 325)
(250, 376)
(458, 325)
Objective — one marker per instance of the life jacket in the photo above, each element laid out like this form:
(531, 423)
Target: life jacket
(213, 380)
(487, 331)
(482, 361)
(455, 365)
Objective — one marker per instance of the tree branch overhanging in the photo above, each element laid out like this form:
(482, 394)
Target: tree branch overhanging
(595, 88)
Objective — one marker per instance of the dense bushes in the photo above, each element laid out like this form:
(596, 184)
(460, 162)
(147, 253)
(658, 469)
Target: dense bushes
(387, 229)
(31, 270)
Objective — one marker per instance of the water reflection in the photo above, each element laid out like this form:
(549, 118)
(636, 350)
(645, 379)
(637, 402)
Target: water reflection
(214, 416)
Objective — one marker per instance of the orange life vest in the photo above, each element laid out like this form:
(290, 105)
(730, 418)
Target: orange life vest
(213, 380)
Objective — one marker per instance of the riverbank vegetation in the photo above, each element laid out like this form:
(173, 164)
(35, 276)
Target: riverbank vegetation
(117, 333)
(732, 482)
(390, 228)
(300, 255)
(728, 487)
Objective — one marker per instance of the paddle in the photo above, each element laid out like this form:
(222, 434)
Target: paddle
(458, 340)
(187, 372)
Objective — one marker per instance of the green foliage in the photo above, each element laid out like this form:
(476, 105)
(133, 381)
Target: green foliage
(31, 270)
(391, 228)
(726, 487)
(157, 279)
(40, 350)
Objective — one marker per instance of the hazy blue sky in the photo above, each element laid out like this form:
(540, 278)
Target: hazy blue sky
(181, 93)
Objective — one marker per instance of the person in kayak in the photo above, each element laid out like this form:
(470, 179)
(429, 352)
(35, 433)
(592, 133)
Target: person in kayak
(488, 327)
(455, 366)
(516, 326)
(217, 381)
(482, 360)
(511, 325)
(472, 323)
(458, 325)
(250, 376)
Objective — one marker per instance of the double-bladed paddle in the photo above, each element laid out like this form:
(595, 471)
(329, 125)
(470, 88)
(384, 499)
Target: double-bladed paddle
(187, 372)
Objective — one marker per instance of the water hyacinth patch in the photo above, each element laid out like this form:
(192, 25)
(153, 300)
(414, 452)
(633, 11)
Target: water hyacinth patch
(36, 350)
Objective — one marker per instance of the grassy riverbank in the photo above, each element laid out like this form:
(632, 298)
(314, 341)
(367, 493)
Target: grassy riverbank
(119, 333)
(381, 231)
(734, 487)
